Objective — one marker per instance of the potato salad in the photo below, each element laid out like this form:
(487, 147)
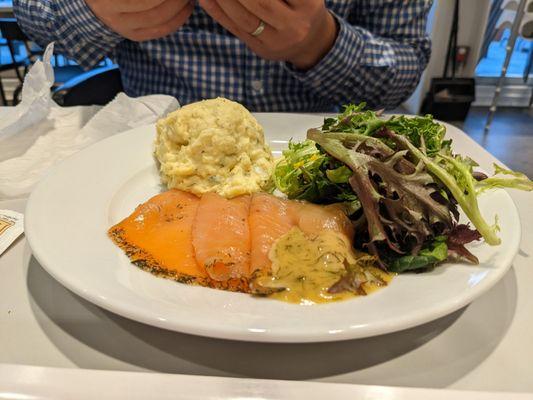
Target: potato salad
(213, 145)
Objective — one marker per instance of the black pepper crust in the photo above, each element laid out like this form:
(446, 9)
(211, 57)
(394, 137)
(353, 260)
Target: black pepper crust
(144, 261)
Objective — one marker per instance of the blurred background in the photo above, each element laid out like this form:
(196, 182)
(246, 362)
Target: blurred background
(474, 36)
(484, 33)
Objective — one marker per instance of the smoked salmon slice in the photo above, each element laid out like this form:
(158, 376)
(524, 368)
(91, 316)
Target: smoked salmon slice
(216, 242)
(221, 236)
(157, 236)
(269, 220)
(313, 219)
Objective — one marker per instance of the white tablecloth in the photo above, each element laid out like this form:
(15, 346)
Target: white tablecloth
(486, 346)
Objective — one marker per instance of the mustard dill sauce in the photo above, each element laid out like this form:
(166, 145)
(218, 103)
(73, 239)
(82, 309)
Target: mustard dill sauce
(304, 268)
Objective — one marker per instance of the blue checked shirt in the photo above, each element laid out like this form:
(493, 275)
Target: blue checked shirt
(380, 53)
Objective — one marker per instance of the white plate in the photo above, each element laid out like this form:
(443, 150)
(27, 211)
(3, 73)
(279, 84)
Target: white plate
(69, 212)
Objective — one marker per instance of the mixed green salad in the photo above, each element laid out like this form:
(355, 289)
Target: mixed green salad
(401, 183)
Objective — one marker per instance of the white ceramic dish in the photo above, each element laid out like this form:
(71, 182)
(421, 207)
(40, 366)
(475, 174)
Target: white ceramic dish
(70, 211)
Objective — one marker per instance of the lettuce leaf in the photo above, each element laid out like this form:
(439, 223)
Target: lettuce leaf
(504, 178)
(401, 182)
(427, 257)
(298, 173)
(339, 175)
(306, 172)
(402, 206)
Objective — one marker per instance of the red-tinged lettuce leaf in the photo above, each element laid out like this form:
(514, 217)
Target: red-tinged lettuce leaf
(356, 276)
(402, 206)
(442, 249)
(456, 174)
(462, 234)
(352, 281)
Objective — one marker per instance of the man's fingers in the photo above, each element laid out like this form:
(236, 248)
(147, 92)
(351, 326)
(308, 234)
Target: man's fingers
(127, 6)
(154, 17)
(213, 8)
(275, 13)
(296, 3)
(217, 13)
(244, 19)
(164, 29)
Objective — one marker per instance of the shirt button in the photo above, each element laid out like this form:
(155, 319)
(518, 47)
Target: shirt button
(257, 85)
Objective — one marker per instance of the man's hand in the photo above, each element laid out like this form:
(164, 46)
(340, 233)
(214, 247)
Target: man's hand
(140, 20)
(297, 31)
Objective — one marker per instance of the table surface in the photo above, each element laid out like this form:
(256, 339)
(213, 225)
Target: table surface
(485, 346)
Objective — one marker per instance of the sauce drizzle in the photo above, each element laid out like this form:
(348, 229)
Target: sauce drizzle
(304, 268)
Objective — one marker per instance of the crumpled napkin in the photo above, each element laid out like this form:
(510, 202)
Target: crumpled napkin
(38, 133)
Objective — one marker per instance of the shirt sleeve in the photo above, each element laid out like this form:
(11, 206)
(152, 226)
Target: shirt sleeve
(379, 55)
(71, 24)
